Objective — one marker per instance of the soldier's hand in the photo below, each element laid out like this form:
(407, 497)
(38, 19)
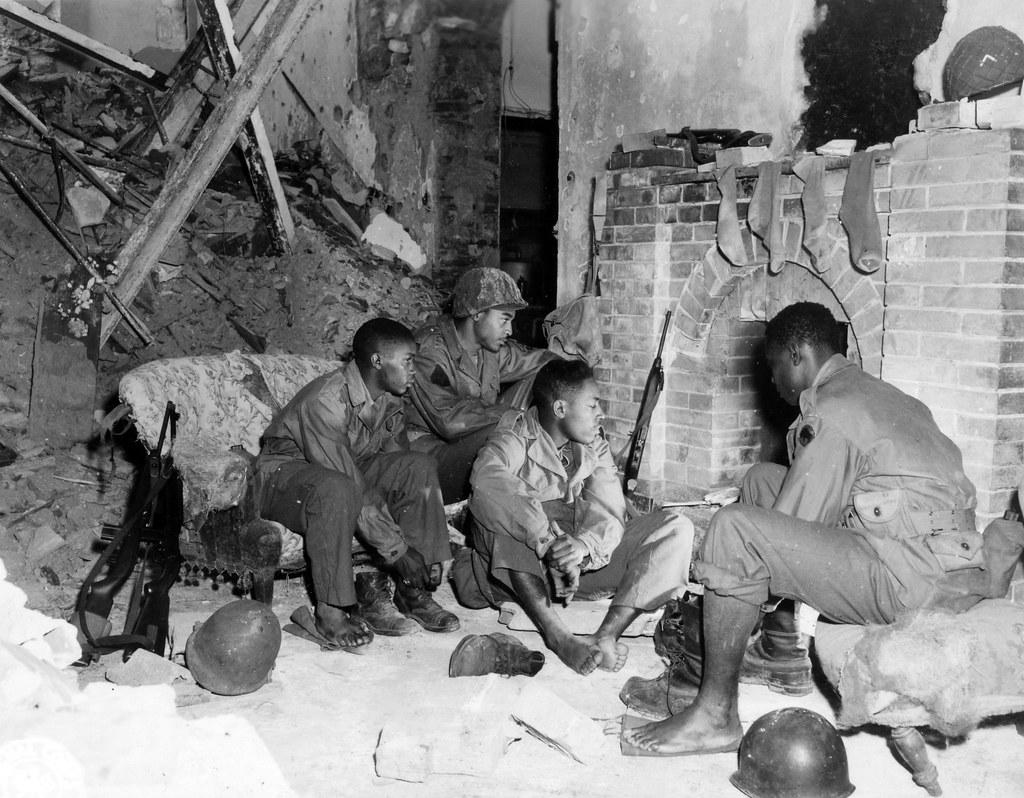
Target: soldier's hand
(412, 568)
(566, 553)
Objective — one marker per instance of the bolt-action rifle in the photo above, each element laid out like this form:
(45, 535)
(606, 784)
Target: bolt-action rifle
(638, 439)
(150, 534)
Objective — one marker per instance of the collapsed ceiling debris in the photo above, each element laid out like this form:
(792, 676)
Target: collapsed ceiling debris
(77, 144)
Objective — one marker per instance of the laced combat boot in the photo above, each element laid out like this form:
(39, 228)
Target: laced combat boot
(373, 592)
(778, 656)
(476, 655)
(678, 639)
(417, 604)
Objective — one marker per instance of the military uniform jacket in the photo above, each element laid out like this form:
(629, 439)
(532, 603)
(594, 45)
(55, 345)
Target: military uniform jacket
(453, 392)
(519, 470)
(333, 422)
(867, 456)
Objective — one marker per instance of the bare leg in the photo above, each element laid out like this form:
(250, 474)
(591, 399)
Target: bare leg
(712, 722)
(579, 653)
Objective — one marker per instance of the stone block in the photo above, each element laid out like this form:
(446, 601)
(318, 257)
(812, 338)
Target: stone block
(965, 246)
(931, 221)
(968, 194)
(908, 199)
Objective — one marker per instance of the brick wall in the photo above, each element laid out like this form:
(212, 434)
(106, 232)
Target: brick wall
(943, 318)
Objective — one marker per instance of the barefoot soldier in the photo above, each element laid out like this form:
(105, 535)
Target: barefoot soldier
(335, 460)
(874, 517)
(549, 518)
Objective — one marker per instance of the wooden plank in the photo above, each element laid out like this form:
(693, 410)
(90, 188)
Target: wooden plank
(65, 362)
(82, 43)
(256, 152)
(192, 174)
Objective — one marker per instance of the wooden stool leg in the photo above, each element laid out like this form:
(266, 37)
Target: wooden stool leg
(910, 747)
(263, 585)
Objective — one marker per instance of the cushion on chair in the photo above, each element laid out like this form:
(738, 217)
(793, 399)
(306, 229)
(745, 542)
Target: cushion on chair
(222, 400)
(930, 667)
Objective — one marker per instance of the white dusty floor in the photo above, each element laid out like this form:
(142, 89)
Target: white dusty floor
(323, 713)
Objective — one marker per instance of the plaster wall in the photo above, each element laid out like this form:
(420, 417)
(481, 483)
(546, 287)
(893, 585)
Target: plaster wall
(526, 61)
(129, 25)
(628, 66)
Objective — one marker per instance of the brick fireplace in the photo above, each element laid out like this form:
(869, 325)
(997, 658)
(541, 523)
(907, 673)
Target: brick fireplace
(943, 318)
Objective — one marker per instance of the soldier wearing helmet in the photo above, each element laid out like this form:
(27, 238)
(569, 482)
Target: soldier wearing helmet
(464, 359)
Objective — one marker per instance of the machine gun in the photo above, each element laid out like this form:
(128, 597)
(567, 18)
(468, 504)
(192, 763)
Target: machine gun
(638, 439)
(149, 536)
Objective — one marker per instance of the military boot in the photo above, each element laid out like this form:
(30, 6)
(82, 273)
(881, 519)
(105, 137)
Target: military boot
(417, 604)
(678, 639)
(373, 592)
(476, 655)
(778, 656)
(664, 695)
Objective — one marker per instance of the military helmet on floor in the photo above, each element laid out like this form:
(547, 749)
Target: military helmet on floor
(792, 753)
(483, 288)
(233, 651)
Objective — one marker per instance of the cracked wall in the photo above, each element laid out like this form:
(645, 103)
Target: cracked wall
(636, 65)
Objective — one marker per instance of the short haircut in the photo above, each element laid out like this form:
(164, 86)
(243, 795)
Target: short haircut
(559, 379)
(802, 323)
(376, 335)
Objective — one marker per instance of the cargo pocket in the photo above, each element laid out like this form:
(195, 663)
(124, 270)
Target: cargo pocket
(877, 508)
(957, 551)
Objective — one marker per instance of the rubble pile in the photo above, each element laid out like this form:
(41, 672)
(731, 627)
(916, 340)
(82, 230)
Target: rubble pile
(217, 288)
(54, 506)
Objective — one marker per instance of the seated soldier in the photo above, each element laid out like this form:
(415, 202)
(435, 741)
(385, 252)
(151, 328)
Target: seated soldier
(548, 517)
(464, 360)
(873, 518)
(333, 461)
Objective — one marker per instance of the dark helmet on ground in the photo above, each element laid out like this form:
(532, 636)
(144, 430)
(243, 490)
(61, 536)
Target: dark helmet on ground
(792, 753)
(233, 651)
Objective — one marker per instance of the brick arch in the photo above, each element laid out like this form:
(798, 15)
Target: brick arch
(714, 278)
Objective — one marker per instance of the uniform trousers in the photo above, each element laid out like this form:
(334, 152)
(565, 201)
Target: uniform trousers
(757, 554)
(323, 504)
(649, 567)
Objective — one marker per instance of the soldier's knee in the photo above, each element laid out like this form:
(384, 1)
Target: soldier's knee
(331, 490)
(726, 534)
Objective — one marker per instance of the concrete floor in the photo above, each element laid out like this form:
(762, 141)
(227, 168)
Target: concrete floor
(323, 712)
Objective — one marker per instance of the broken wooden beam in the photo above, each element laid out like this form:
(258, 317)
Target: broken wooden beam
(253, 141)
(192, 174)
(82, 43)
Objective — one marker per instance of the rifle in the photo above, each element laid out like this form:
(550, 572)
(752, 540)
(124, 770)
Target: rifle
(638, 439)
(150, 533)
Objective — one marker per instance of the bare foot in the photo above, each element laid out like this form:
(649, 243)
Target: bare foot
(692, 731)
(579, 653)
(337, 625)
(608, 653)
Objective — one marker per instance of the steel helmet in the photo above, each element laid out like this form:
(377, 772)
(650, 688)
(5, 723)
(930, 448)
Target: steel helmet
(482, 288)
(792, 753)
(233, 651)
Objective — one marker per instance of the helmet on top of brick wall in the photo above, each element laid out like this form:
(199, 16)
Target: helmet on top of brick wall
(984, 59)
(483, 288)
(233, 651)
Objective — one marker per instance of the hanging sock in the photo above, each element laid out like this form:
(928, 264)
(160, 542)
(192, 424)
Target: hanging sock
(858, 215)
(811, 170)
(727, 231)
(764, 216)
